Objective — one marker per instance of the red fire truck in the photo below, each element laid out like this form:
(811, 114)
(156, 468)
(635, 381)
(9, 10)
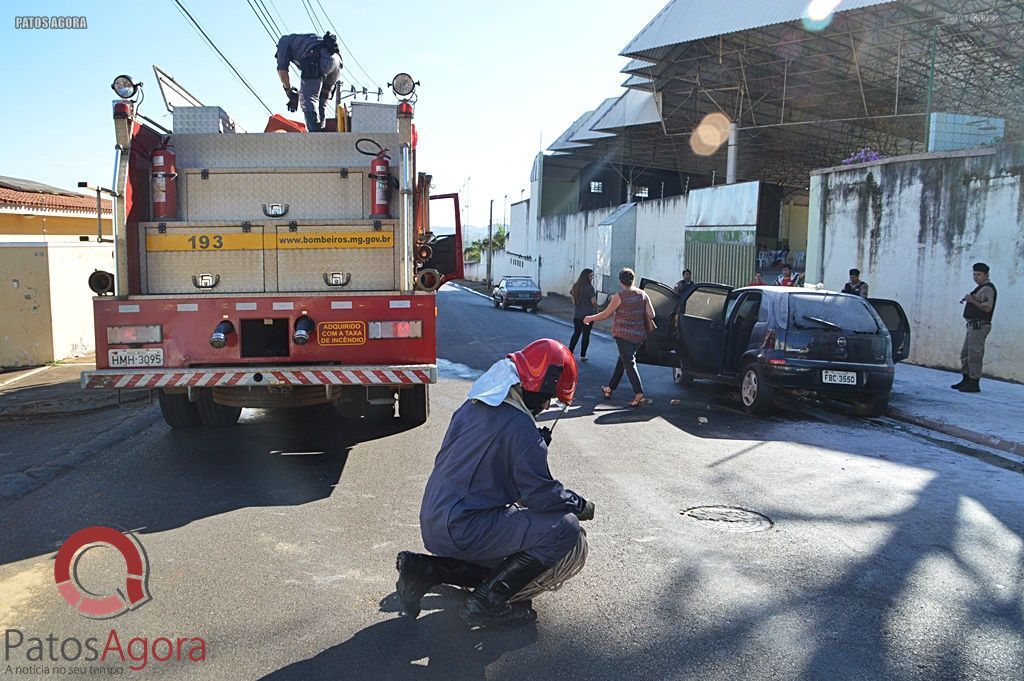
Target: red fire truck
(275, 269)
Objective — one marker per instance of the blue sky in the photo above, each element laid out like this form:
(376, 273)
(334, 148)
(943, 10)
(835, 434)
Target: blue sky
(497, 78)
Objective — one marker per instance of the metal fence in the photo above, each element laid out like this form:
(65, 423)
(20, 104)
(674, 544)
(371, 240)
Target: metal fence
(731, 264)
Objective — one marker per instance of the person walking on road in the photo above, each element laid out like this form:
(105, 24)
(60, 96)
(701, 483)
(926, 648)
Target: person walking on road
(634, 318)
(856, 286)
(492, 514)
(584, 302)
(979, 305)
(319, 64)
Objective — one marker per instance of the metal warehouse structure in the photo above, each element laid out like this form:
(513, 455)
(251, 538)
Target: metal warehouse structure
(806, 85)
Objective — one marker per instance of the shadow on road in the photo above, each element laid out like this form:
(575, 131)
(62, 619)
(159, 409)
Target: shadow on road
(437, 645)
(166, 478)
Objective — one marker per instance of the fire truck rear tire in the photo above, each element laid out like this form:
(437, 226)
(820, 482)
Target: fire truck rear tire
(414, 405)
(213, 414)
(177, 411)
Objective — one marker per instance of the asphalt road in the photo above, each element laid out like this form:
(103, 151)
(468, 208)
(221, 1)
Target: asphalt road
(889, 557)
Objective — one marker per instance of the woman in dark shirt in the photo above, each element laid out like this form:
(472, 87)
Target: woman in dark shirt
(584, 301)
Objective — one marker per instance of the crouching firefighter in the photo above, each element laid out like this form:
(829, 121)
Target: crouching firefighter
(492, 515)
(319, 64)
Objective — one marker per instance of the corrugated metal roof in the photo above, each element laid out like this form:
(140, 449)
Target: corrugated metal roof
(635, 107)
(616, 214)
(637, 65)
(681, 21)
(586, 133)
(637, 81)
(563, 143)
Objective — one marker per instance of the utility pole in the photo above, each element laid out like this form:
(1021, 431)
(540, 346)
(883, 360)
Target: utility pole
(490, 246)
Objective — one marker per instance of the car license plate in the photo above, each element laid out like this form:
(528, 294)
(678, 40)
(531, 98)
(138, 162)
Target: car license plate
(839, 377)
(135, 358)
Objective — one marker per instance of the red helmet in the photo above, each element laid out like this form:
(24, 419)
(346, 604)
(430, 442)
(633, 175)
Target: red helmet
(547, 367)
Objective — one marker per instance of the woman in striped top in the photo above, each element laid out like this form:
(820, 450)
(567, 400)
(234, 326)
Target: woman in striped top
(632, 309)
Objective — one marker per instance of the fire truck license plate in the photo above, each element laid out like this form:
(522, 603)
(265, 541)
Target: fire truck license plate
(135, 358)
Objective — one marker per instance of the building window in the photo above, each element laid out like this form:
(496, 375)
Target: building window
(642, 192)
(596, 187)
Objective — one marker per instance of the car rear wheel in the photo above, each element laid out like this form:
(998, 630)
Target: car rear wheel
(871, 406)
(756, 394)
(681, 377)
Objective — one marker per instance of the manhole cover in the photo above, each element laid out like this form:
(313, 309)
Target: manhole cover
(728, 518)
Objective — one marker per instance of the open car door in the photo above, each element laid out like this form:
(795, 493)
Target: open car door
(659, 348)
(896, 321)
(443, 251)
(702, 332)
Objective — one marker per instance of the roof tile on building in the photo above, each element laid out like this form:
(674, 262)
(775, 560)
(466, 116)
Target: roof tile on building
(12, 198)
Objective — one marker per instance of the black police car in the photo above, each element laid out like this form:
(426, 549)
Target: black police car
(763, 339)
(516, 292)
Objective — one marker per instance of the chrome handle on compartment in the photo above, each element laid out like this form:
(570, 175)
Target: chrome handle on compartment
(205, 281)
(337, 278)
(275, 210)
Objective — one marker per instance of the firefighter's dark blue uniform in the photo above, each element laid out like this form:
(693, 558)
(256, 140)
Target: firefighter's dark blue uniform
(492, 457)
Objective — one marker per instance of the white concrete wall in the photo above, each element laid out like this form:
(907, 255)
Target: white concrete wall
(569, 243)
(25, 334)
(70, 297)
(45, 301)
(660, 236)
(914, 227)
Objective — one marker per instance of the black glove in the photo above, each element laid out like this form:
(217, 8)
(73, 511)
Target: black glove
(545, 433)
(588, 511)
(293, 99)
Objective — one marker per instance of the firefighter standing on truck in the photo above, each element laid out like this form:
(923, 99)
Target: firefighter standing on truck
(319, 64)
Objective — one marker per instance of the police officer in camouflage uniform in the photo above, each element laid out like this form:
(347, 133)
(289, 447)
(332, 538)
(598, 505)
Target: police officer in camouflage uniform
(319, 65)
(979, 305)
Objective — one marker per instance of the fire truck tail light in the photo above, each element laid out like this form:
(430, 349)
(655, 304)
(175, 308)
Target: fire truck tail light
(411, 329)
(134, 334)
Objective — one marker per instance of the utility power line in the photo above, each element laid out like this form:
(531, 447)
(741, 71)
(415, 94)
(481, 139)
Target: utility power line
(195, 23)
(350, 53)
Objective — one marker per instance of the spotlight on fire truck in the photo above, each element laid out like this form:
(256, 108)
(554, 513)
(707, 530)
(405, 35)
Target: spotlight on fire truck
(220, 335)
(303, 327)
(101, 283)
(125, 87)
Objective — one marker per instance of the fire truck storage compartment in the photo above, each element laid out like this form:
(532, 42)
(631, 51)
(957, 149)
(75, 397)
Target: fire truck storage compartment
(338, 257)
(264, 337)
(204, 257)
(242, 193)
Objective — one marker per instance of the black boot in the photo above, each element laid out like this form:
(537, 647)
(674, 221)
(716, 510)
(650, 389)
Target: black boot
(962, 383)
(488, 605)
(971, 385)
(419, 573)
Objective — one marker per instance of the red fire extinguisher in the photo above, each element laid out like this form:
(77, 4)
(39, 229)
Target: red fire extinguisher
(164, 183)
(381, 180)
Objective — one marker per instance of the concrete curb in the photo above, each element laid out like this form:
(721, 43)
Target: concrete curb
(73, 405)
(991, 441)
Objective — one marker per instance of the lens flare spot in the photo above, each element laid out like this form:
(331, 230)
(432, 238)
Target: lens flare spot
(710, 134)
(819, 14)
